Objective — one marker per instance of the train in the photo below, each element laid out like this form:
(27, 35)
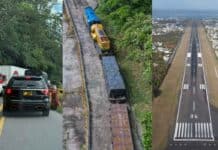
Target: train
(115, 85)
(96, 30)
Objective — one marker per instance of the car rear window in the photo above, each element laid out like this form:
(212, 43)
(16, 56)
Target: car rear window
(28, 83)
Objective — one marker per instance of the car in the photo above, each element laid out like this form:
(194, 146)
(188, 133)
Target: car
(26, 93)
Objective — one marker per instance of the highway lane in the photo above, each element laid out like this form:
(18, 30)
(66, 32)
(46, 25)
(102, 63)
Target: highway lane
(31, 131)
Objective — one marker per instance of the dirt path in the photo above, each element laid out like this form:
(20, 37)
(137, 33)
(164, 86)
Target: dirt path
(164, 106)
(211, 66)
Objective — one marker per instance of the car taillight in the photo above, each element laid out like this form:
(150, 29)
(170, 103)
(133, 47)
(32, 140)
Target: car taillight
(45, 92)
(27, 77)
(8, 91)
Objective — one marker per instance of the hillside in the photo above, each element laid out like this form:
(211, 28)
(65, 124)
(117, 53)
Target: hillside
(30, 36)
(128, 24)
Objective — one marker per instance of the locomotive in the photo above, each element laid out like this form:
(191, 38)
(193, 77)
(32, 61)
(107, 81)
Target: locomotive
(96, 29)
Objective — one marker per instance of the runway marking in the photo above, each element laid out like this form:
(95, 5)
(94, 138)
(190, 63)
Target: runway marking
(202, 131)
(186, 86)
(199, 54)
(2, 120)
(200, 65)
(198, 134)
(193, 106)
(216, 72)
(188, 54)
(211, 128)
(202, 86)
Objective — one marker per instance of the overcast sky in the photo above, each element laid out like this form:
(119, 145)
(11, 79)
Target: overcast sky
(185, 4)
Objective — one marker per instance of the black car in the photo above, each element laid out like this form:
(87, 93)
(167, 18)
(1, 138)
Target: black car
(28, 93)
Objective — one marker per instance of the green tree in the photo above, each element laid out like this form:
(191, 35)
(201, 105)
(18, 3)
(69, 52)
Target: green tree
(30, 36)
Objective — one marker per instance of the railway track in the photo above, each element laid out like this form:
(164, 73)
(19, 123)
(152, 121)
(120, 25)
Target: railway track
(108, 124)
(79, 3)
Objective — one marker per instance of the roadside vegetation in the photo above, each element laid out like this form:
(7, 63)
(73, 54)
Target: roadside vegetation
(30, 36)
(128, 25)
(160, 67)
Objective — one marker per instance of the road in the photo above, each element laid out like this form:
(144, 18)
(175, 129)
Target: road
(194, 127)
(31, 132)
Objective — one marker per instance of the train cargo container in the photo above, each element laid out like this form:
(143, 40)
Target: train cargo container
(7, 71)
(114, 82)
(120, 127)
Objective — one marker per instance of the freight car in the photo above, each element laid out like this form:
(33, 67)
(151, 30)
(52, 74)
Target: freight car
(120, 127)
(96, 29)
(115, 86)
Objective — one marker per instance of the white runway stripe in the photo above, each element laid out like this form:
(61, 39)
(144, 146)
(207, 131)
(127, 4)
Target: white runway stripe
(195, 130)
(208, 133)
(185, 129)
(211, 130)
(176, 129)
(198, 130)
(182, 129)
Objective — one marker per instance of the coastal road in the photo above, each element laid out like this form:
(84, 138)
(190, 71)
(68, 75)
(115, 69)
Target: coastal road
(22, 131)
(194, 127)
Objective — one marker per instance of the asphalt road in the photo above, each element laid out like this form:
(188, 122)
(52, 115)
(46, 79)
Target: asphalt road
(22, 131)
(193, 129)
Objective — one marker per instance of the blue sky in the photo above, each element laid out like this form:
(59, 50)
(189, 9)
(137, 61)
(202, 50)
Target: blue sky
(185, 4)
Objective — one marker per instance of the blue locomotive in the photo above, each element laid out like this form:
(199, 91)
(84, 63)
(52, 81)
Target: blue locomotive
(96, 29)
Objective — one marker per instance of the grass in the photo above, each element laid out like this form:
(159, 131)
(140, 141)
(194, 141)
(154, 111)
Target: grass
(164, 106)
(139, 94)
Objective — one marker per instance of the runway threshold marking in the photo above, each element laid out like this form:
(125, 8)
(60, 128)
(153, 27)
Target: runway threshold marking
(2, 120)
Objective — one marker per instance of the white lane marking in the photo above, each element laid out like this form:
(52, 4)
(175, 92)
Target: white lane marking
(188, 65)
(216, 72)
(191, 130)
(193, 106)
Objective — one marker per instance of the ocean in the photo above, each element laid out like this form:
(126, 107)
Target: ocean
(185, 14)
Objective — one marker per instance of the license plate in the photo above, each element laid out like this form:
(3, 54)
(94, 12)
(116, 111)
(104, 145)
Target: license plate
(27, 93)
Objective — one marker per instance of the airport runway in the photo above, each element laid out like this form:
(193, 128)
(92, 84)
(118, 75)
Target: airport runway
(193, 129)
